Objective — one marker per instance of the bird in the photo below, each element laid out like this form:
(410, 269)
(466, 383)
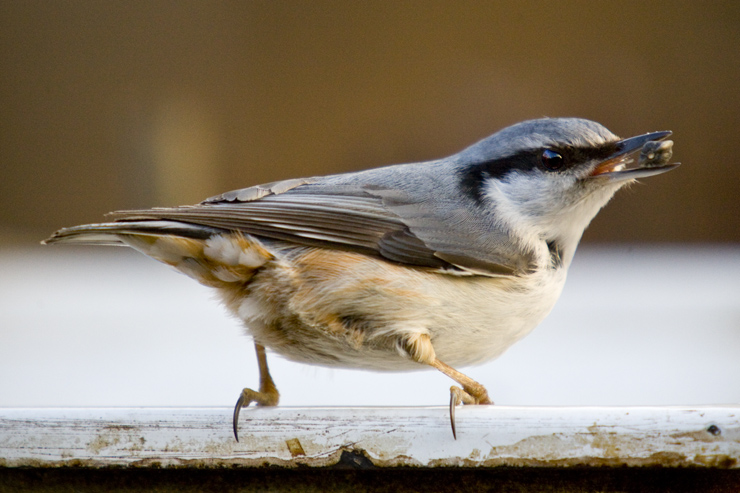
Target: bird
(439, 264)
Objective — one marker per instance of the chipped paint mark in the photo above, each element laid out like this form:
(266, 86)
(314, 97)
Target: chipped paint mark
(101, 442)
(294, 447)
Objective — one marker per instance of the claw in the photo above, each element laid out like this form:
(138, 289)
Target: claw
(474, 392)
(261, 398)
(237, 410)
(268, 394)
(453, 403)
(457, 397)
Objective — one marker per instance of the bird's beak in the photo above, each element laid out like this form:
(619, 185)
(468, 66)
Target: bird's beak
(655, 152)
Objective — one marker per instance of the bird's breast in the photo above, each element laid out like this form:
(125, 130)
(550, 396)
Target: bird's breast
(344, 309)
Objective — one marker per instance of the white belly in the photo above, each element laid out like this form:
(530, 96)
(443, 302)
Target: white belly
(347, 310)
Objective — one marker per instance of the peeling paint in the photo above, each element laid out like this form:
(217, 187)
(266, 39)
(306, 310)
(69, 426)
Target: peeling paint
(489, 436)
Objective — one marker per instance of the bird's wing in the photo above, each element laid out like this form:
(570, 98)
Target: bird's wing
(350, 217)
(347, 218)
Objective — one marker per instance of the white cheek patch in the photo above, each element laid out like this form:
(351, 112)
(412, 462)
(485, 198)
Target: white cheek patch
(534, 207)
(511, 208)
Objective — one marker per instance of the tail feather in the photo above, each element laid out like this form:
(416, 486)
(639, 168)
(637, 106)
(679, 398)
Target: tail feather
(109, 233)
(214, 257)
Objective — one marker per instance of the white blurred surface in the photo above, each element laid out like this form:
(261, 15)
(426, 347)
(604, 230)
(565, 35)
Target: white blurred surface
(636, 325)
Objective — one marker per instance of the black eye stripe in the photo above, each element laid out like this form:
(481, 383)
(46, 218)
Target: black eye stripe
(474, 175)
(530, 159)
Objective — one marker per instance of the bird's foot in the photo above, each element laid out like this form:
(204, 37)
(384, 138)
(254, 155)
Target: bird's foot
(268, 398)
(459, 396)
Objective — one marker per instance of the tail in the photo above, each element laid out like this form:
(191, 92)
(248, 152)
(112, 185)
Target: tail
(114, 233)
(212, 256)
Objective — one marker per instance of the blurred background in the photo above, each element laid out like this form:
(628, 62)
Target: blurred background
(110, 105)
(119, 105)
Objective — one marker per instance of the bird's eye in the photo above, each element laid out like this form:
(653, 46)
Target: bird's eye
(551, 160)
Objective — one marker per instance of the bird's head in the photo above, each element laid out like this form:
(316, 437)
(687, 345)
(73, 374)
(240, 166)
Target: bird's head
(546, 179)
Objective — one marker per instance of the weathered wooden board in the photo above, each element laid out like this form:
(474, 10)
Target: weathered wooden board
(412, 436)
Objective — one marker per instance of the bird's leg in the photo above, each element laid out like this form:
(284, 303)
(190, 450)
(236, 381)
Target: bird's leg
(268, 394)
(471, 392)
(419, 347)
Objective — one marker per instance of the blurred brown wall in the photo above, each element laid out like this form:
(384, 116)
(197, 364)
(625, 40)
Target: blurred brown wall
(113, 105)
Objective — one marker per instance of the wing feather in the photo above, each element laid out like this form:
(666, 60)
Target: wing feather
(370, 219)
(351, 222)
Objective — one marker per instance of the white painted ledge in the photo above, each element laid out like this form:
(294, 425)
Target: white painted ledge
(488, 436)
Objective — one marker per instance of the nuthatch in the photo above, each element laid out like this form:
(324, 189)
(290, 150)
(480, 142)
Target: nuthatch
(439, 264)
